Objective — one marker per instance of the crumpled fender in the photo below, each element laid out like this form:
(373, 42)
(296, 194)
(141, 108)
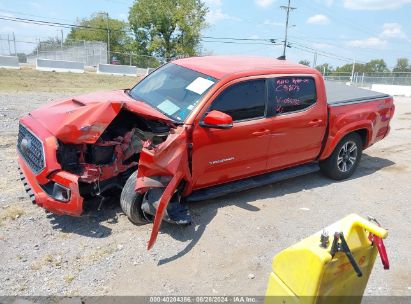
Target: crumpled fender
(164, 166)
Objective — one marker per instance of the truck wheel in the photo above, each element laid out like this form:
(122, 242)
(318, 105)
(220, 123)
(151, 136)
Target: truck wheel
(344, 160)
(130, 202)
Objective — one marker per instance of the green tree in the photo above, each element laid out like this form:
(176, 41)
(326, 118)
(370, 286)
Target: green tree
(373, 66)
(376, 66)
(304, 62)
(347, 68)
(325, 68)
(168, 28)
(402, 65)
(50, 43)
(22, 57)
(97, 27)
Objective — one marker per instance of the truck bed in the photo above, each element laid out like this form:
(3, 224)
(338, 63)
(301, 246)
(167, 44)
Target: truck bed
(340, 94)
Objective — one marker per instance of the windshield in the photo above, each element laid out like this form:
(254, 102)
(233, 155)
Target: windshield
(173, 90)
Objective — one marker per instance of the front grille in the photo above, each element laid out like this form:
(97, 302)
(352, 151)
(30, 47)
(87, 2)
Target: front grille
(31, 149)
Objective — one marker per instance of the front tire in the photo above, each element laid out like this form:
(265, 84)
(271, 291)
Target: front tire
(130, 202)
(345, 158)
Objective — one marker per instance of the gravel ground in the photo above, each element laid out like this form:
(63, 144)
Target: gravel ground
(228, 249)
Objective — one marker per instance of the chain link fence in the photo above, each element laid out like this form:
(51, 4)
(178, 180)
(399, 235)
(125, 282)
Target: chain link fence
(8, 45)
(91, 53)
(368, 79)
(141, 61)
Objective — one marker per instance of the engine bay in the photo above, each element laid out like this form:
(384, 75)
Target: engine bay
(110, 160)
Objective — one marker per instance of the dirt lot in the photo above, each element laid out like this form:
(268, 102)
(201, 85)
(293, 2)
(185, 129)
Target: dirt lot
(228, 249)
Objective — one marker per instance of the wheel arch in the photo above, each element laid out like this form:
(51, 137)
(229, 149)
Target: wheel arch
(363, 129)
(364, 134)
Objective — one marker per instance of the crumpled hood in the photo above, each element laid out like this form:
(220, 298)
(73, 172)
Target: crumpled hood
(84, 118)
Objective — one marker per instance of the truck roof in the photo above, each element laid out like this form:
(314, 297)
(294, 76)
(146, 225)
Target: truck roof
(222, 66)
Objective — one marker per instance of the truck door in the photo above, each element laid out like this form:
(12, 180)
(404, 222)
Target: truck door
(299, 121)
(222, 155)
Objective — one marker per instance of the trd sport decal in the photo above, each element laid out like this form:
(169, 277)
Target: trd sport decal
(216, 162)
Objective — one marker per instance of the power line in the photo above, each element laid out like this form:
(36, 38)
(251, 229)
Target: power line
(68, 25)
(31, 15)
(243, 39)
(322, 53)
(366, 51)
(235, 42)
(120, 2)
(210, 39)
(348, 22)
(204, 40)
(57, 24)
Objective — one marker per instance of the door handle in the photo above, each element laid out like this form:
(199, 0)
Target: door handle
(261, 132)
(315, 122)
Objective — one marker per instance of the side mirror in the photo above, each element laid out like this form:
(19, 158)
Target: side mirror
(218, 120)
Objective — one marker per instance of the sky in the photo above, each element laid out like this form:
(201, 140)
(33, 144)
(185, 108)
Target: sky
(339, 31)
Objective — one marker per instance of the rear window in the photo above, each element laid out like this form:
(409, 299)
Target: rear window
(292, 94)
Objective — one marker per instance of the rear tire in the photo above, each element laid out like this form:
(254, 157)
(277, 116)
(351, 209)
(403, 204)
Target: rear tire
(345, 158)
(130, 202)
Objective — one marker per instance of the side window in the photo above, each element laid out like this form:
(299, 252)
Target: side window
(245, 100)
(291, 94)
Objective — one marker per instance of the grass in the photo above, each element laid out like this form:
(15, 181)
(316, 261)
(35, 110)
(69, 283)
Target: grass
(64, 235)
(69, 278)
(49, 260)
(30, 80)
(101, 252)
(11, 213)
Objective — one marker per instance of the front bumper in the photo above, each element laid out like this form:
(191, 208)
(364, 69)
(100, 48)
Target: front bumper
(43, 198)
(39, 186)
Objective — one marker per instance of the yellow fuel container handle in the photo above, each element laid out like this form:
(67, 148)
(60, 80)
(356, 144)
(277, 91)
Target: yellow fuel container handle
(370, 227)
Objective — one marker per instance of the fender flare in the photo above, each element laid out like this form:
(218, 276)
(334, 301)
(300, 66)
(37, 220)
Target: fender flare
(333, 141)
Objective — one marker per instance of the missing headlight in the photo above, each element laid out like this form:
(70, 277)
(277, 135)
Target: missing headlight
(61, 193)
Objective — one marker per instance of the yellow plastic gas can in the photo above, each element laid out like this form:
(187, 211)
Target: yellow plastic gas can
(318, 269)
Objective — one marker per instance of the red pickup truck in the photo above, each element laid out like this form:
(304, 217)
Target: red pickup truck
(196, 129)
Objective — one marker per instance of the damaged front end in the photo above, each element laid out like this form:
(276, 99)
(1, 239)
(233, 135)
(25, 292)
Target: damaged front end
(75, 150)
(159, 152)
(106, 164)
(163, 174)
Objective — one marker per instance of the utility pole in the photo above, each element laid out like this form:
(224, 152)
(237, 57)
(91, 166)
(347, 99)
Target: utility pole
(315, 60)
(288, 8)
(37, 49)
(14, 40)
(61, 42)
(108, 38)
(108, 35)
(8, 41)
(352, 72)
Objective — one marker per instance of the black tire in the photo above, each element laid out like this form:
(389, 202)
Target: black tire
(345, 158)
(130, 202)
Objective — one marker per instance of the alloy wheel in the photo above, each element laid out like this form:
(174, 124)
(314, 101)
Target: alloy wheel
(347, 156)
